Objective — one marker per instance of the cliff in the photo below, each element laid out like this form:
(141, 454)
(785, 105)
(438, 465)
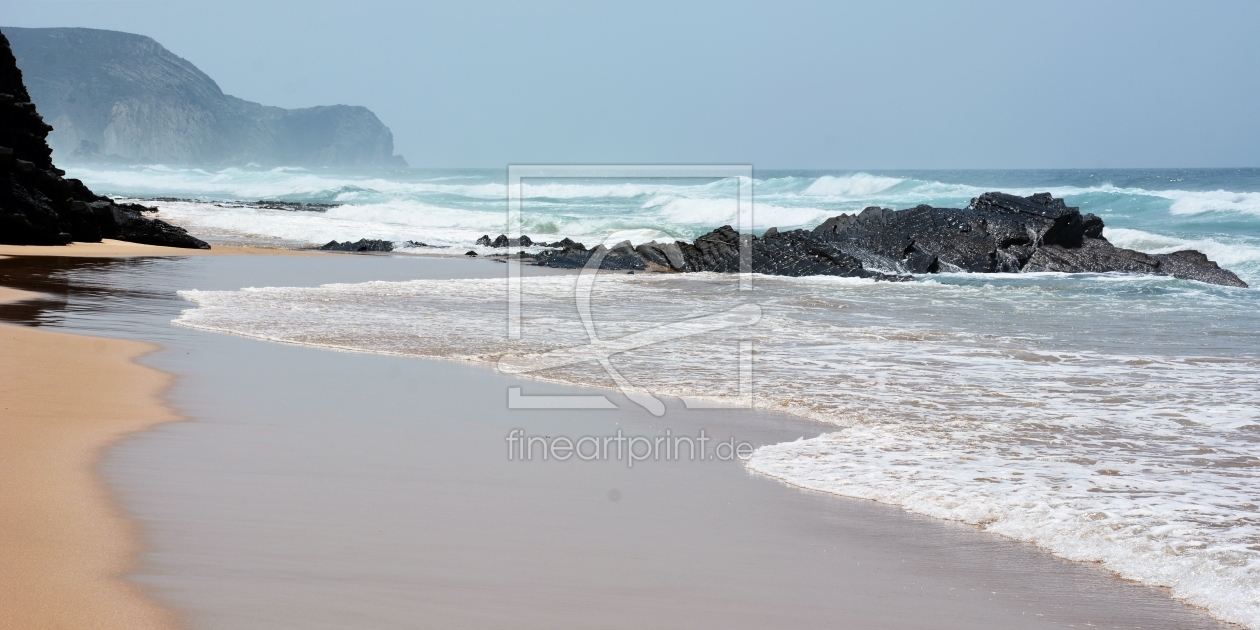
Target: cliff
(38, 206)
(114, 96)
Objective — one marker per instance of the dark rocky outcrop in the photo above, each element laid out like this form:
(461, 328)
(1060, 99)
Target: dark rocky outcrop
(38, 206)
(120, 97)
(619, 257)
(995, 233)
(362, 245)
(502, 240)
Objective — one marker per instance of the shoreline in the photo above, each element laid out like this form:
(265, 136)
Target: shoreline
(425, 534)
(67, 543)
(110, 248)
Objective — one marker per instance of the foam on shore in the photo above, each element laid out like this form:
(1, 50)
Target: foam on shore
(1021, 404)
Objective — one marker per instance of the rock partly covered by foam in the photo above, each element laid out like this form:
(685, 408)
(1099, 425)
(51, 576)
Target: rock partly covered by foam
(362, 245)
(38, 206)
(995, 233)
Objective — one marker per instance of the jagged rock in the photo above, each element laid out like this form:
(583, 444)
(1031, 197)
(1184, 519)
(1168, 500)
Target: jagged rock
(668, 255)
(796, 253)
(995, 233)
(1094, 255)
(503, 241)
(126, 223)
(1189, 264)
(362, 245)
(619, 257)
(563, 243)
(415, 244)
(38, 206)
(1100, 256)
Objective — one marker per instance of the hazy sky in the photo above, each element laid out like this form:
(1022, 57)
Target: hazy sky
(774, 84)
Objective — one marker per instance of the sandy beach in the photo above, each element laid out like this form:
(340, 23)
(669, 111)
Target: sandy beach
(121, 249)
(66, 398)
(66, 545)
(649, 315)
(322, 489)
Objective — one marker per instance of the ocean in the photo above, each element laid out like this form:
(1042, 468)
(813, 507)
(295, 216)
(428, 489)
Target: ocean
(1104, 417)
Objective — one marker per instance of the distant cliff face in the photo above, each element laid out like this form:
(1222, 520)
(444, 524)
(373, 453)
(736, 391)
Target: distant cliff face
(119, 96)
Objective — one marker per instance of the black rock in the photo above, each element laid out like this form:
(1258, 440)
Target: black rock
(797, 253)
(563, 243)
(362, 245)
(668, 255)
(503, 241)
(619, 257)
(1192, 265)
(1100, 256)
(470, 253)
(1094, 255)
(484, 240)
(995, 233)
(38, 206)
(126, 223)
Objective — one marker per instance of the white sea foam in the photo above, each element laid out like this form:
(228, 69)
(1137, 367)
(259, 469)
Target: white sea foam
(855, 186)
(1103, 417)
(1187, 202)
(1099, 417)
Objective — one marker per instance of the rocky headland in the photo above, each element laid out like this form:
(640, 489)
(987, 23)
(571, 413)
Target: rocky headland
(38, 205)
(121, 97)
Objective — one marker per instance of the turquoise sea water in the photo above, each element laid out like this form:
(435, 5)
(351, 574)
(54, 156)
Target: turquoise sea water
(1214, 210)
(1107, 418)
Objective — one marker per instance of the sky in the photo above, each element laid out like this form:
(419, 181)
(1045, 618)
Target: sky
(825, 85)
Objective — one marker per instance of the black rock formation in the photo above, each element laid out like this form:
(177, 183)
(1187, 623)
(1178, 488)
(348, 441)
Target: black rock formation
(38, 206)
(362, 245)
(619, 257)
(563, 243)
(120, 97)
(502, 240)
(996, 233)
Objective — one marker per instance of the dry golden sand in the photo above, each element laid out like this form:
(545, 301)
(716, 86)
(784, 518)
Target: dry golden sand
(110, 248)
(64, 545)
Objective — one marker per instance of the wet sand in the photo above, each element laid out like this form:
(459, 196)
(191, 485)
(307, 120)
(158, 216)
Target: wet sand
(319, 489)
(64, 545)
(113, 249)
